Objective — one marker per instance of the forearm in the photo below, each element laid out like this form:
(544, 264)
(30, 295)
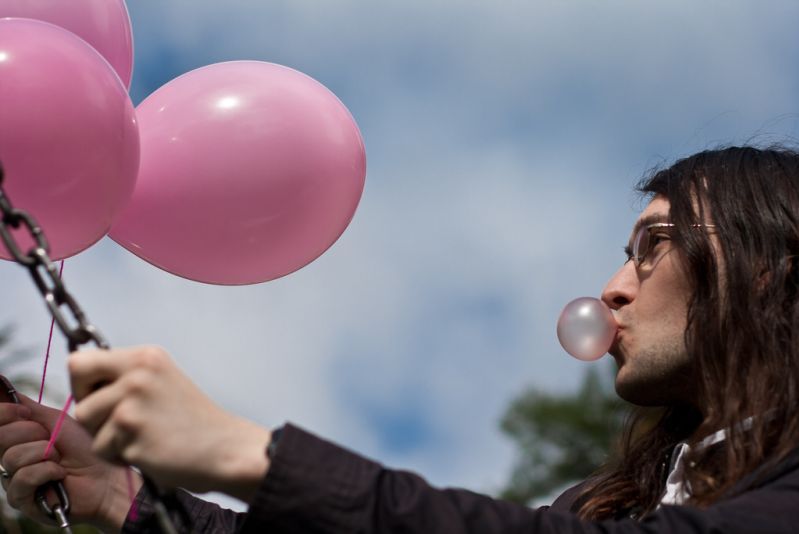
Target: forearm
(315, 486)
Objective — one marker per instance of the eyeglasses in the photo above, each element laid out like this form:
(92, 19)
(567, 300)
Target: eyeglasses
(648, 238)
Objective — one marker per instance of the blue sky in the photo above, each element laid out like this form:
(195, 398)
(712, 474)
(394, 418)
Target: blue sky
(503, 140)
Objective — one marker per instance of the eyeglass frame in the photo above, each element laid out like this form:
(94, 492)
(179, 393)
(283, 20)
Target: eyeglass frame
(635, 255)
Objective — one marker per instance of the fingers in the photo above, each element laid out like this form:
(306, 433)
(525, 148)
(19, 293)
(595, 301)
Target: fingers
(111, 388)
(114, 414)
(28, 409)
(21, 489)
(90, 370)
(26, 454)
(112, 443)
(17, 434)
(45, 415)
(27, 471)
(10, 412)
(93, 411)
(21, 432)
(15, 428)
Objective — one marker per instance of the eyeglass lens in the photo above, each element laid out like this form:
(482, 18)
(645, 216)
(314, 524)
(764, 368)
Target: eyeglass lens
(640, 245)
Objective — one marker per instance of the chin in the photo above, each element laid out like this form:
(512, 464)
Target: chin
(642, 392)
(654, 392)
(639, 398)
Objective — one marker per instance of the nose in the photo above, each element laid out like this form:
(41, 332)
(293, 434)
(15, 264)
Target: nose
(622, 288)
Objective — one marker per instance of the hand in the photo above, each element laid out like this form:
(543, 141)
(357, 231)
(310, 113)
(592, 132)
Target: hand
(98, 491)
(143, 411)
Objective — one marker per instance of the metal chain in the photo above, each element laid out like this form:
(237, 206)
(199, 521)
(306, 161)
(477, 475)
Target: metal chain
(64, 308)
(69, 317)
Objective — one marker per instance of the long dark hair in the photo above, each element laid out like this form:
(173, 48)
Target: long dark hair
(742, 333)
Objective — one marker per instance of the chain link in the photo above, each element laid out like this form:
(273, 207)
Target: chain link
(63, 307)
(13, 218)
(75, 327)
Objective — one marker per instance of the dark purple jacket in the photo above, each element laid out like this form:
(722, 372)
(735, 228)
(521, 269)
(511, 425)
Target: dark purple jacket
(315, 486)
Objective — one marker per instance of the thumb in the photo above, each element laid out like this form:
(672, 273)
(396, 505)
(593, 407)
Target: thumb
(44, 415)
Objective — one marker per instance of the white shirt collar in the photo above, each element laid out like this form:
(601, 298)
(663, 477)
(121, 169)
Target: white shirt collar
(676, 491)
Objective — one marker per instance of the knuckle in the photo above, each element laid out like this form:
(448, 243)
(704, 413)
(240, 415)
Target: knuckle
(80, 412)
(22, 432)
(25, 477)
(37, 452)
(126, 417)
(10, 461)
(75, 363)
(151, 357)
(26, 455)
(24, 483)
(35, 431)
(15, 501)
(137, 381)
(8, 413)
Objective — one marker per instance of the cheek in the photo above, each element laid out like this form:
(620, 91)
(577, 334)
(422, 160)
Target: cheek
(674, 317)
(665, 295)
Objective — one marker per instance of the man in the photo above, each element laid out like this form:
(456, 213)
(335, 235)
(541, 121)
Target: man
(707, 303)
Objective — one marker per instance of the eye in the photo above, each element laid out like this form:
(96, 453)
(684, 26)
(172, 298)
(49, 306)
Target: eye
(656, 239)
(628, 253)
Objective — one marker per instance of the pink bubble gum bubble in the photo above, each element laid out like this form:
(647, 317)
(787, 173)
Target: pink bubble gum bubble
(586, 328)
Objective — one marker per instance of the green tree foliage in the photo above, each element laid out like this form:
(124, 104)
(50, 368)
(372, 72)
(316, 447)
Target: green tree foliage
(561, 438)
(10, 358)
(13, 524)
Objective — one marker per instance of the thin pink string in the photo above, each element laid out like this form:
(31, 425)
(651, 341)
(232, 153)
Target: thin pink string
(57, 428)
(134, 511)
(49, 342)
(134, 507)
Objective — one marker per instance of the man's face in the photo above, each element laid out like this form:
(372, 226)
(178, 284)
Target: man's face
(650, 302)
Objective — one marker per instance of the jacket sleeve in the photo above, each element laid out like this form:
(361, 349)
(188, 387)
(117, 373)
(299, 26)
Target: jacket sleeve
(204, 516)
(315, 486)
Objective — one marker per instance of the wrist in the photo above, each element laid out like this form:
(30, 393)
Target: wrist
(245, 461)
(124, 485)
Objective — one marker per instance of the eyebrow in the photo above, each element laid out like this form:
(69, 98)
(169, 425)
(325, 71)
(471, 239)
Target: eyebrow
(649, 219)
(643, 222)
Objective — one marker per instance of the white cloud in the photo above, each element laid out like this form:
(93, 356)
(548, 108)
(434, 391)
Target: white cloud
(502, 141)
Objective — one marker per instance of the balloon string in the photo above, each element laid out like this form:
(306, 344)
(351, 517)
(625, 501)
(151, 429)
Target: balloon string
(134, 511)
(49, 342)
(134, 507)
(57, 428)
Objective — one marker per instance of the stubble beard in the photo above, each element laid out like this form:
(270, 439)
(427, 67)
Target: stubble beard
(657, 375)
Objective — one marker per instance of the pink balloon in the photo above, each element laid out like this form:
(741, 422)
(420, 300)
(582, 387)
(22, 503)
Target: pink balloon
(249, 171)
(586, 328)
(68, 136)
(104, 24)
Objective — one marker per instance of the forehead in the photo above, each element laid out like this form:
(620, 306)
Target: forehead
(658, 207)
